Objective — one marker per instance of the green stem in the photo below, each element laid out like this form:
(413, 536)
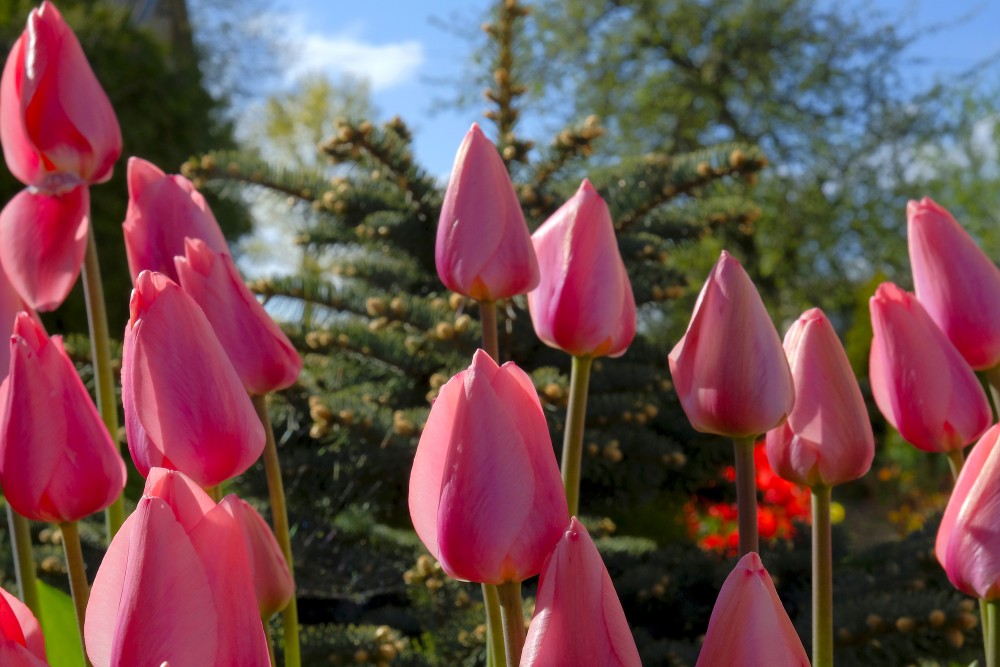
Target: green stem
(279, 515)
(956, 459)
(822, 573)
(992, 645)
(270, 640)
(495, 654)
(746, 495)
(78, 585)
(488, 320)
(572, 453)
(100, 352)
(24, 561)
(214, 492)
(512, 612)
(992, 376)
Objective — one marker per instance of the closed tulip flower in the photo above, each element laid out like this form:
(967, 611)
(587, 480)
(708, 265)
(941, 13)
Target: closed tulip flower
(955, 281)
(263, 356)
(163, 210)
(827, 439)
(175, 585)
(485, 494)
(749, 627)
(968, 539)
(56, 123)
(43, 238)
(578, 618)
(729, 369)
(483, 247)
(922, 385)
(185, 407)
(272, 581)
(57, 461)
(583, 303)
(21, 640)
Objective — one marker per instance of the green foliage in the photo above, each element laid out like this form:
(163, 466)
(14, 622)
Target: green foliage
(58, 619)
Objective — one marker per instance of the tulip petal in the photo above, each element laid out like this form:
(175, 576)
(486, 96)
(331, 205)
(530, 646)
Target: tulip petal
(188, 500)
(30, 628)
(43, 239)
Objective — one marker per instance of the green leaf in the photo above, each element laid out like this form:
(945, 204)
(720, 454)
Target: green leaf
(58, 619)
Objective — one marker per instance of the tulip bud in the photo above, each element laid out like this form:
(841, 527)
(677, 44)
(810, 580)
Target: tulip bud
(578, 617)
(483, 247)
(57, 461)
(175, 585)
(583, 303)
(956, 282)
(55, 120)
(185, 406)
(920, 382)
(43, 239)
(968, 539)
(828, 437)
(263, 356)
(11, 304)
(163, 210)
(729, 369)
(271, 578)
(485, 494)
(21, 640)
(749, 627)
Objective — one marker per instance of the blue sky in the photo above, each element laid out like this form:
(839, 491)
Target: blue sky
(399, 48)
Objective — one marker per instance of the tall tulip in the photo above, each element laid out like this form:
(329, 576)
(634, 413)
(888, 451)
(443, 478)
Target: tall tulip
(163, 210)
(21, 641)
(185, 406)
(921, 383)
(175, 585)
(957, 284)
(578, 617)
(56, 123)
(583, 304)
(749, 627)
(43, 239)
(485, 494)
(827, 439)
(483, 248)
(729, 369)
(57, 461)
(263, 356)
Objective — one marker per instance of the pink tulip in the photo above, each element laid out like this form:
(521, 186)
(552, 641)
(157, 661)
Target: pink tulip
(21, 640)
(827, 439)
(11, 304)
(185, 407)
(162, 211)
(175, 585)
(749, 627)
(43, 238)
(583, 304)
(272, 581)
(57, 461)
(729, 369)
(578, 618)
(486, 497)
(483, 247)
(56, 123)
(921, 383)
(956, 282)
(968, 539)
(263, 356)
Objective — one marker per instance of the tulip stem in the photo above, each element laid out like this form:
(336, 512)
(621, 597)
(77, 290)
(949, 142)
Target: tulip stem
(279, 516)
(24, 561)
(78, 585)
(572, 453)
(746, 495)
(992, 376)
(992, 645)
(822, 583)
(270, 640)
(100, 353)
(488, 320)
(495, 654)
(956, 459)
(512, 612)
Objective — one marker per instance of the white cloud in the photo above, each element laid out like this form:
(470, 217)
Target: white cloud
(348, 52)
